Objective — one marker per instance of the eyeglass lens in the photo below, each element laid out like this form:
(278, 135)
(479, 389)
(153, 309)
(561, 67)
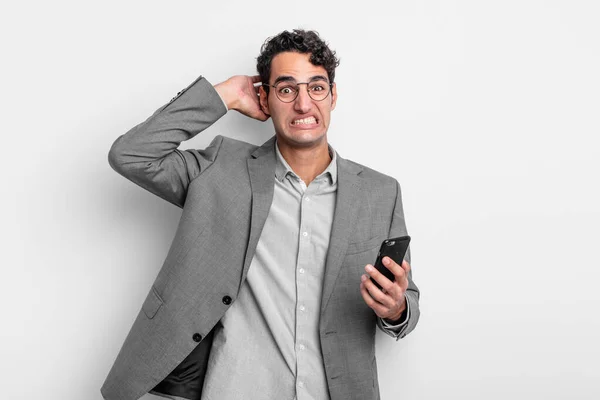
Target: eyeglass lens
(288, 91)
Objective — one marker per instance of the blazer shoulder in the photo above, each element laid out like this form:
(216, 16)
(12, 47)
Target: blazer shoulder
(235, 148)
(372, 175)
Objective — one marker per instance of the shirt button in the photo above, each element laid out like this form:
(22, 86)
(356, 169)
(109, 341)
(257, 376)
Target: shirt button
(301, 347)
(301, 270)
(226, 300)
(302, 308)
(197, 337)
(300, 384)
(305, 234)
(308, 199)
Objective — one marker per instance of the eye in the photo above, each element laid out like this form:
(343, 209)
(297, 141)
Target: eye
(286, 90)
(318, 87)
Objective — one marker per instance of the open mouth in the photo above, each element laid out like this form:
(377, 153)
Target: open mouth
(305, 121)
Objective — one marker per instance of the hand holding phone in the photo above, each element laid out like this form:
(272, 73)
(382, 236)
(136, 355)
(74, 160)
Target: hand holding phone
(394, 248)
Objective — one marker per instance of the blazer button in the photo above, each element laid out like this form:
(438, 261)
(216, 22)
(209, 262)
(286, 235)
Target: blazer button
(197, 337)
(227, 300)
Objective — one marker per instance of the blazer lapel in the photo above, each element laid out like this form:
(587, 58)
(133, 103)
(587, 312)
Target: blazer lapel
(344, 219)
(261, 169)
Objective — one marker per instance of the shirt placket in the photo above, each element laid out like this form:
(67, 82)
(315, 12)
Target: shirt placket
(303, 270)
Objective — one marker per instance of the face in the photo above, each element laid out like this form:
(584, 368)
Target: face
(304, 121)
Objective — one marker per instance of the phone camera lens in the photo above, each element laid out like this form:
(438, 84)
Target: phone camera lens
(391, 243)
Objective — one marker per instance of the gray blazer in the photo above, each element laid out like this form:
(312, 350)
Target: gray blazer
(225, 191)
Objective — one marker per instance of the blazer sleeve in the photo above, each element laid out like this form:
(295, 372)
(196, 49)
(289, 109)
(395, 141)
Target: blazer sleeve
(148, 153)
(398, 228)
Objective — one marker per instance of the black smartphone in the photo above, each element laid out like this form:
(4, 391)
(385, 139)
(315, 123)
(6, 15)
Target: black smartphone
(395, 249)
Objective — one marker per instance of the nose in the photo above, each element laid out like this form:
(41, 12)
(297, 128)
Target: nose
(303, 102)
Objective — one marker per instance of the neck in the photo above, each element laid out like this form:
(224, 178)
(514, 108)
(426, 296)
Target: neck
(306, 162)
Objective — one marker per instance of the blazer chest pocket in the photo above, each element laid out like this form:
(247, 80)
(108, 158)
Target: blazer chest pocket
(359, 247)
(152, 303)
(360, 254)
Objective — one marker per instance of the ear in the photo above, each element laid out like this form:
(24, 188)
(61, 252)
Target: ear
(264, 101)
(333, 96)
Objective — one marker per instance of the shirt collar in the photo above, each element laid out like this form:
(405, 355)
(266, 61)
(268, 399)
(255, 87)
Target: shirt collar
(282, 168)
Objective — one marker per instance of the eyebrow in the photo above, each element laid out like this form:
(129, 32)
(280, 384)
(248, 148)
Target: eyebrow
(287, 78)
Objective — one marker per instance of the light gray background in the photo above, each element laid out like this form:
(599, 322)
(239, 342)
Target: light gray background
(486, 112)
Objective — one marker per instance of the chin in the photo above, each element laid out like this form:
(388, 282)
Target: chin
(304, 139)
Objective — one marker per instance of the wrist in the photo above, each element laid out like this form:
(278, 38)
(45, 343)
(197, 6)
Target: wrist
(395, 318)
(227, 95)
(399, 315)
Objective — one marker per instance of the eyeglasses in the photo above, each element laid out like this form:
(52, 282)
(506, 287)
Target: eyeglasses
(287, 91)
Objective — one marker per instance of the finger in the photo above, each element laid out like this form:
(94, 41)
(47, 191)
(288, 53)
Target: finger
(255, 78)
(406, 267)
(383, 281)
(259, 115)
(262, 117)
(374, 305)
(397, 270)
(382, 298)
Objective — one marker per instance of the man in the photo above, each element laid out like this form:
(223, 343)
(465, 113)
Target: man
(264, 293)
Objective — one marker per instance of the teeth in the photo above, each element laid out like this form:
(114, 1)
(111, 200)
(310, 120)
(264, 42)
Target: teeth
(309, 120)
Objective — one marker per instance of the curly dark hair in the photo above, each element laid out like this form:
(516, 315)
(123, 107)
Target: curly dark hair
(299, 41)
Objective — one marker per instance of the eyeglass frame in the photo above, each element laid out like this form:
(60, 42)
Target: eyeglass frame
(330, 84)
